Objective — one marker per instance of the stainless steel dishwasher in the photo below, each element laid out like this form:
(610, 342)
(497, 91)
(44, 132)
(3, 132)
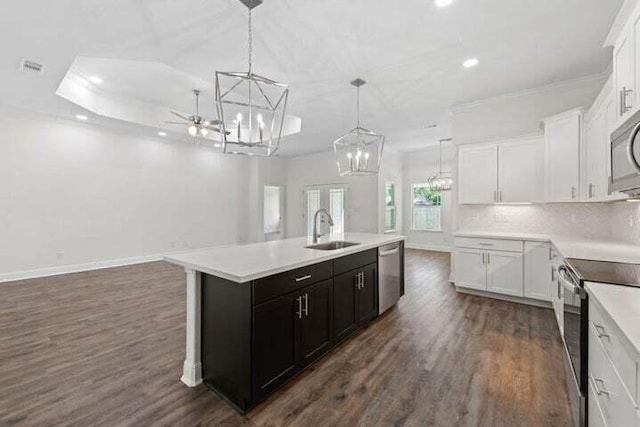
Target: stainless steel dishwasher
(389, 276)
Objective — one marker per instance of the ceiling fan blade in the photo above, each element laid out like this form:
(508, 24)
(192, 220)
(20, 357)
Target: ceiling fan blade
(180, 116)
(211, 122)
(212, 129)
(177, 123)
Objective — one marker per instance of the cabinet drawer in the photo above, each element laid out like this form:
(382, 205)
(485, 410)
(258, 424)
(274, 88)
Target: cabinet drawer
(289, 281)
(610, 394)
(492, 244)
(357, 260)
(609, 338)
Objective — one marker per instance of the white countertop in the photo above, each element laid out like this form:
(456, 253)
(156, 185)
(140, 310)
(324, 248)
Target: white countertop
(622, 303)
(571, 247)
(243, 263)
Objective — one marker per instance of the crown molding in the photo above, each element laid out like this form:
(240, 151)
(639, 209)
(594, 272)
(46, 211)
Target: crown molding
(620, 22)
(600, 77)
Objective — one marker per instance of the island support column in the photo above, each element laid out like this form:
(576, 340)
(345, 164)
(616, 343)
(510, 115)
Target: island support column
(192, 369)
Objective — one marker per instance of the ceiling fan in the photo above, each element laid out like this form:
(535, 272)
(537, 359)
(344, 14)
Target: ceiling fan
(196, 125)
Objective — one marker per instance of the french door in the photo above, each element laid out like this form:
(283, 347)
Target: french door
(333, 198)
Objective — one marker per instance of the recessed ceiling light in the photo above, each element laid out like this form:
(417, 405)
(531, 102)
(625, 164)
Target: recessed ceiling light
(162, 133)
(217, 145)
(82, 117)
(95, 79)
(470, 63)
(443, 3)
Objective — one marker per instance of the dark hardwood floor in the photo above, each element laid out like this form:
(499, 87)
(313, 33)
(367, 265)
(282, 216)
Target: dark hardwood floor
(106, 348)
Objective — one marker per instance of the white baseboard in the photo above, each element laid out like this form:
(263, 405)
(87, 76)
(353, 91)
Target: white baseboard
(76, 268)
(509, 298)
(435, 248)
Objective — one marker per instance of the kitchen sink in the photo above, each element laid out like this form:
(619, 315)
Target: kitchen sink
(332, 246)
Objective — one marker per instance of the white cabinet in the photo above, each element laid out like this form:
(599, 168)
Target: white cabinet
(493, 270)
(477, 174)
(623, 75)
(470, 270)
(557, 291)
(505, 172)
(562, 156)
(504, 273)
(537, 271)
(520, 175)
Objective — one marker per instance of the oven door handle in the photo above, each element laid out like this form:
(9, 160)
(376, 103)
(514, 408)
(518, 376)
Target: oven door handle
(568, 282)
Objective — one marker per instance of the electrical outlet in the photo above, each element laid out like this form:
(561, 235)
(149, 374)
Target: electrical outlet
(501, 217)
(59, 255)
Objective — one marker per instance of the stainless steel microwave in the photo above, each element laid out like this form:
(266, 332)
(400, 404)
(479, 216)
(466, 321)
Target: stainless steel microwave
(625, 158)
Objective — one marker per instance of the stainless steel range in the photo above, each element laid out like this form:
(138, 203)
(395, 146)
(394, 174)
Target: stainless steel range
(571, 278)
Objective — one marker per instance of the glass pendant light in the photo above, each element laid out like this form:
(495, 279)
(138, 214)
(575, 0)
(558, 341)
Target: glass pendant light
(251, 108)
(359, 152)
(442, 181)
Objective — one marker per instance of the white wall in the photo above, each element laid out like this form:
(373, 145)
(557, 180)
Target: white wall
(362, 202)
(74, 194)
(418, 167)
(521, 113)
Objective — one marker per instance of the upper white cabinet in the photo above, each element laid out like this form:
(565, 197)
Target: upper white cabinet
(624, 75)
(478, 174)
(624, 37)
(562, 156)
(504, 172)
(520, 171)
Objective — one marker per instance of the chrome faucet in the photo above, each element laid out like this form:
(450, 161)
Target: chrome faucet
(316, 235)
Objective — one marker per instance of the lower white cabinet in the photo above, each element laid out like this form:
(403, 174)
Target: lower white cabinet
(490, 270)
(504, 273)
(537, 271)
(470, 268)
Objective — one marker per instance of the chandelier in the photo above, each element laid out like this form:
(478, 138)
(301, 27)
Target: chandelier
(359, 152)
(251, 108)
(442, 181)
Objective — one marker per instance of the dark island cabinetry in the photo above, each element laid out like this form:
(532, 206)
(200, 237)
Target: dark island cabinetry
(258, 335)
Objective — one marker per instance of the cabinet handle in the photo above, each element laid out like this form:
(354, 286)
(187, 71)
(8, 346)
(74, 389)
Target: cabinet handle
(553, 274)
(600, 391)
(483, 261)
(624, 93)
(559, 290)
(303, 278)
(361, 279)
(549, 253)
(488, 258)
(601, 331)
(500, 196)
(573, 192)
(305, 310)
(299, 312)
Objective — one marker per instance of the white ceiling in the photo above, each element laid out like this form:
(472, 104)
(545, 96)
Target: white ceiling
(410, 52)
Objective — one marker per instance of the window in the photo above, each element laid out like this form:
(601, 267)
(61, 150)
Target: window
(272, 212)
(425, 215)
(333, 199)
(389, 207)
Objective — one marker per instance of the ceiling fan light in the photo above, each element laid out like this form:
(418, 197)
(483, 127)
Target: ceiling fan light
(193, 131)
(204, 132)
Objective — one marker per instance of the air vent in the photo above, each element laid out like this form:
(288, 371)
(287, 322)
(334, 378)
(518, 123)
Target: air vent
(31, 66)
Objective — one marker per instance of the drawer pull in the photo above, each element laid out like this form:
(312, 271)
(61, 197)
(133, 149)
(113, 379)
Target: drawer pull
(486, 244)
(596, 385)
(600, 331)
(303, 278)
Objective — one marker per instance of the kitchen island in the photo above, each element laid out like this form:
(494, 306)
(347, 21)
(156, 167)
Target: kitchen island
(259, 313)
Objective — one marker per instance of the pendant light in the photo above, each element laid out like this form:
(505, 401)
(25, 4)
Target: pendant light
(442, 181)
(359, 152)
(251, 108)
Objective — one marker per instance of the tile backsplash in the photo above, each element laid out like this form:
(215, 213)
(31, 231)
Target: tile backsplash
(620, 221)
